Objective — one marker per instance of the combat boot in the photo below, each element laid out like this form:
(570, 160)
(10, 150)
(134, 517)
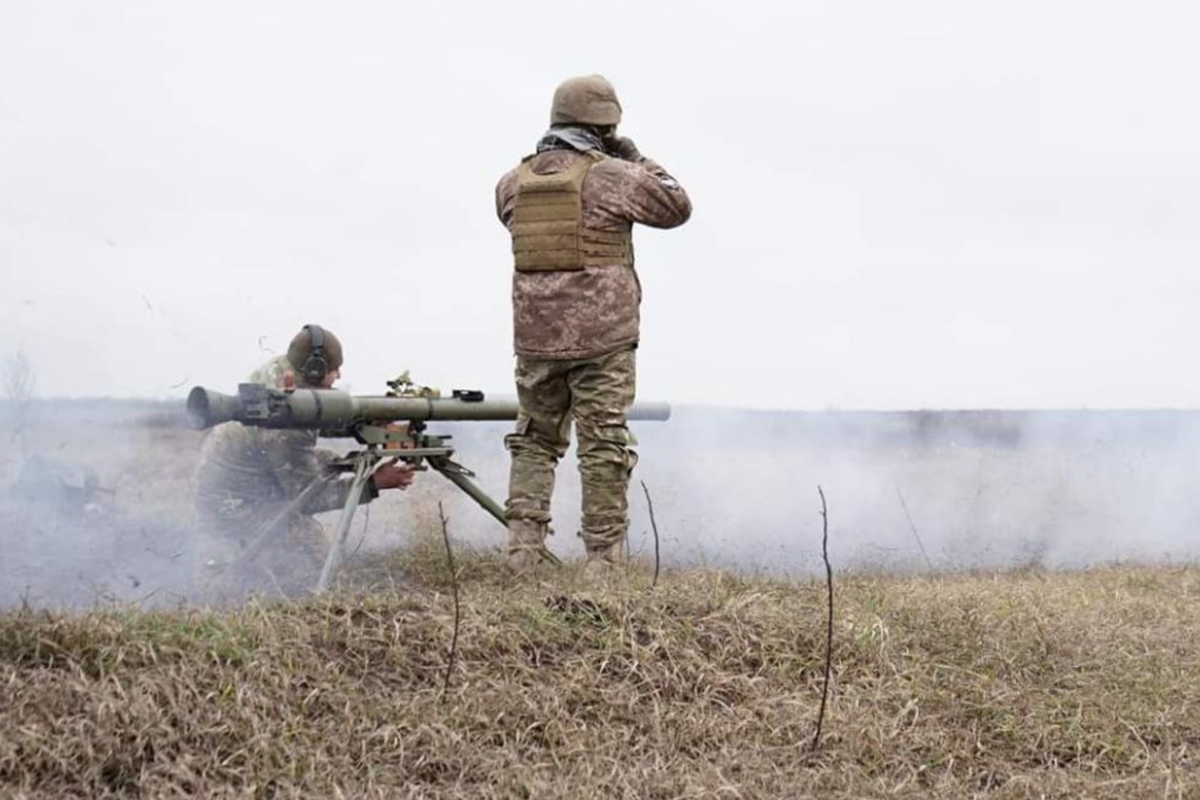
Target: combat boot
(603, 562)
(526, 543)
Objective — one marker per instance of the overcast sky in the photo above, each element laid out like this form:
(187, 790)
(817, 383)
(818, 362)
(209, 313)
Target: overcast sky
(897, 204)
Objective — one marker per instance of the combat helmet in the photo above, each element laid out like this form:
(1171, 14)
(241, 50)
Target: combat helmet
(587, 100)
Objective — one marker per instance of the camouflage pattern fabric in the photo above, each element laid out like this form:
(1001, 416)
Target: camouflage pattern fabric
(597, 393)
(244, 469)
(586, 313)
(271, 373)
(248, 475)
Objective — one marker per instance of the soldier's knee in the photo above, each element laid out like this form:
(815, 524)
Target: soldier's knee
(608, 457)
(529, 439)
(532, 450)
(605, 471)
(591, 431)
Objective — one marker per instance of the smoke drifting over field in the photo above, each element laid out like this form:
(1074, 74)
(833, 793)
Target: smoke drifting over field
(94, 504)
(910, 490)
(96, 497)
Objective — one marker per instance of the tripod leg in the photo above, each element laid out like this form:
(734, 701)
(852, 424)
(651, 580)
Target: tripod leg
(460, 476)
(362, 471)
(275, 524)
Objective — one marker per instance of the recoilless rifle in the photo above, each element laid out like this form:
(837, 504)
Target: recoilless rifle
(372, 421)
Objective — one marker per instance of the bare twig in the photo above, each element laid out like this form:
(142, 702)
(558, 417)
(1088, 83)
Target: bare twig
(913, 528)
(654, 527)
(454, 589)
(829, 631)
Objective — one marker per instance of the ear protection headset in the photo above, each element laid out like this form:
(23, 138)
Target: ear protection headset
(316, 365)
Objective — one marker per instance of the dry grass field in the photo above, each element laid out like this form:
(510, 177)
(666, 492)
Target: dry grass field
(1014, 685)
(978, 679)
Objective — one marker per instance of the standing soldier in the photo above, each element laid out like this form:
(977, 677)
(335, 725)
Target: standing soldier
(570, 208)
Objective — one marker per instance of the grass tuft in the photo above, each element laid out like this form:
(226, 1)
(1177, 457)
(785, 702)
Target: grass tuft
(1005, 685)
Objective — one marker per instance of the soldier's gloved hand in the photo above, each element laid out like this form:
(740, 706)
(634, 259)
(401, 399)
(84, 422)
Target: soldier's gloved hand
(393, 475)
(622, 147)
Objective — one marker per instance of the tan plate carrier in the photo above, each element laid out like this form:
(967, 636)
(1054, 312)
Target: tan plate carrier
(548, 232)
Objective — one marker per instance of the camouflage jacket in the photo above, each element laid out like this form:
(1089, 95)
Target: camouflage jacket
(586, 313)
(247, 472)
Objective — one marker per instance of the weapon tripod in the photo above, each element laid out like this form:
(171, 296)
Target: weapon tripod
(410, 443)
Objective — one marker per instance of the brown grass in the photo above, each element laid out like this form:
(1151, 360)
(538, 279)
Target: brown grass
(989, 685)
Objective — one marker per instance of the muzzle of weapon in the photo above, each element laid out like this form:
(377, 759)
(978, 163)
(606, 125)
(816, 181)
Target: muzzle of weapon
(334, 410)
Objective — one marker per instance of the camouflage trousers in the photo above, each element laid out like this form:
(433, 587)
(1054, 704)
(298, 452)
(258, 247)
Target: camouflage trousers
(596, 393)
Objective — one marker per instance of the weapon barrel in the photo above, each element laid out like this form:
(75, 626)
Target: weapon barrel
(330, 409)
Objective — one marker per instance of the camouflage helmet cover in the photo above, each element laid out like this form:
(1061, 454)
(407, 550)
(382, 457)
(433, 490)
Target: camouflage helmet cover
(301, 348)
(588, 99)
